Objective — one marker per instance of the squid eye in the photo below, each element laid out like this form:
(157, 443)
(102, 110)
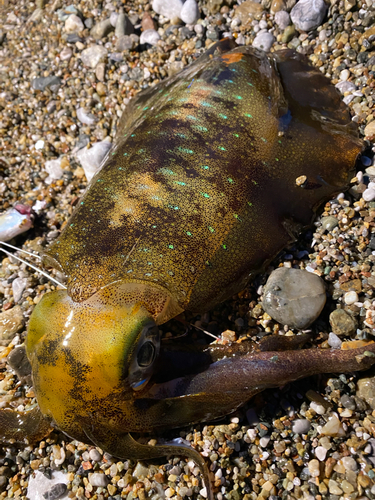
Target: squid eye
(146, 354)
(142, 364)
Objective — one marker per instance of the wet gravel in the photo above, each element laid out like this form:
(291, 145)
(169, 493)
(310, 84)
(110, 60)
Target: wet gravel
(66, 74)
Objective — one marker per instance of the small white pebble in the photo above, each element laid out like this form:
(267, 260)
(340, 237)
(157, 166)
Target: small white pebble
(320, 453)
(319, 409)
(344, 75)
(368, 194)
(203, 492)
(349, 463)
(252, 433)
(334, 341)
(264, 441)
(350, 298)
(219, 474)
(346, 413)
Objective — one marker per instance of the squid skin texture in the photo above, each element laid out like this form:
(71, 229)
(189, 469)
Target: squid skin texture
(200, 187)
(197, 193)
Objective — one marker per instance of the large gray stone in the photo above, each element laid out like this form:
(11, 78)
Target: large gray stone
(294, 297)
(307, 15)
(123, 25)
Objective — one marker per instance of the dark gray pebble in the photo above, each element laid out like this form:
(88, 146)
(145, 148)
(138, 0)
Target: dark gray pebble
(3, 482)
(41, 83)
(348, 402)
(18, 361)
(73, 38)
(57, 491)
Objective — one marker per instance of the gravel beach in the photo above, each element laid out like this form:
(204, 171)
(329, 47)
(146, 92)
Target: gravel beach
(67, 72)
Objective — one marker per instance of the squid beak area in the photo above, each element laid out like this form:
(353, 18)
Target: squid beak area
(80, 355)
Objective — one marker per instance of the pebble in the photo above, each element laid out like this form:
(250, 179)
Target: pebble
(263, 442)
(149, 36)
(369, 194)
(39, 485)
(345, 87)
(370, 131)
(263, 41)
(334, 488)
(18, 286)
(329, 223)
(123, 25)
(33, 47)
(342, 323)
(93, 55)
(41, 83)
(320, 453)
(98, 479)
(54, 170)
(307, 15)
(248, 11)
(66, 54)
(147, 22)
(84, 116)
(282, 19)
(14, 222)
(74, 24)
(11, 322)
(190, 12)
(366, 390)
(168, 8)
(57, 491)
(64, 13)
(101, 29)
(113, 17)
(333, 428)
(318, 408)
(350, 298)
(349, 463)
(334, 341)
(294, 297)
(301, 426)
(100, 71)
(17, 360)
(314, 467)
(125, 42)
(91, 159)
(140, 471)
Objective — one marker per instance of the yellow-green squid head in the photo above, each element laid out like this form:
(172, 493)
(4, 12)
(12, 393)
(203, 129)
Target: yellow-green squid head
(89, 357)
